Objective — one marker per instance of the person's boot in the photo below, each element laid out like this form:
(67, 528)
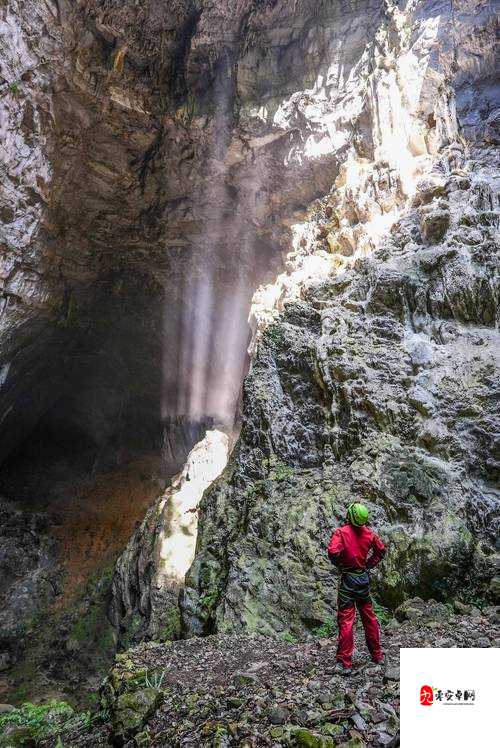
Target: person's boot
(342, 669)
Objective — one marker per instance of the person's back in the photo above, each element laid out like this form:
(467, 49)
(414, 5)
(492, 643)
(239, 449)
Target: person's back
(353, 544)
(354, 549)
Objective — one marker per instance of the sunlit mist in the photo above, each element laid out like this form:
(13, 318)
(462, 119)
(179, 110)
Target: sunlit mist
(205, 345)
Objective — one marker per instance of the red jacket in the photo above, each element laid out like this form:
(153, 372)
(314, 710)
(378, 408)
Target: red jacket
(350, 547)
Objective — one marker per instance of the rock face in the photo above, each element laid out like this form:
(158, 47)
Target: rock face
(381, 381)
(381, 385)
(147, 176)
(152, 160)
(31, 578)
(56, 569)
(152, 568)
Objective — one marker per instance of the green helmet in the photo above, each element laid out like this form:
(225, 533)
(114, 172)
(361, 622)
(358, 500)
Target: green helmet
(358, 514)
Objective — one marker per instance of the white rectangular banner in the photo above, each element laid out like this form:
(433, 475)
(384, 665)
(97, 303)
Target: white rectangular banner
(450, 697)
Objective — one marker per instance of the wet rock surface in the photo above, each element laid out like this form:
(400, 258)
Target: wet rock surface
(56, 567)
(254, 691)
(151, 570)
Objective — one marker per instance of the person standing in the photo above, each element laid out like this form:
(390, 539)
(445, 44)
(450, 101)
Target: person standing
(355, 549)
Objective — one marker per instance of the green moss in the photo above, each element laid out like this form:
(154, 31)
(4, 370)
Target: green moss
(209, 599)
(36, 722)
(132, 708)
(172, 628)
(392, 578)
(274, 334)
(329, 728)
(326, 630)
(288, 637)
(94, 627)
(307, 739)
(142, 739)
(281, 472)
(382, 613)
(254, 489)
(478, 602)
(131, 626)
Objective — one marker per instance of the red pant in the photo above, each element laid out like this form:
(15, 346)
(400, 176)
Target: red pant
(346, 617)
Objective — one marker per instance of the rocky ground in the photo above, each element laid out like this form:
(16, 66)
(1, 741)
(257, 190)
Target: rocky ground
(251, 691)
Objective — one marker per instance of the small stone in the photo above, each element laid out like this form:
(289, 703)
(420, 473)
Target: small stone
(234, 702)
(245, 679)
(383, 738)
(314, 685)
(393, 624)
(483, 642)
(4, 708)
(276, 732)
(307, 739)
(391, 673)
(278, 716)
(329, 728)
(324, 698)
(358, 722)
(354, 742)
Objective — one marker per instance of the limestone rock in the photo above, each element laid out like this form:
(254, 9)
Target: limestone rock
(434, 225)
(357, 390)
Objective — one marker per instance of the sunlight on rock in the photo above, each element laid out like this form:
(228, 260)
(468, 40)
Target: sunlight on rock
(176, 544)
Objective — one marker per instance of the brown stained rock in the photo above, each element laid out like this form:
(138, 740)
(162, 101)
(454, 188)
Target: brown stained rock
(434, 225)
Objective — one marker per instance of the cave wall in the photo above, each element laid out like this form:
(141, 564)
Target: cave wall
(375, 378)
(151, 155)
